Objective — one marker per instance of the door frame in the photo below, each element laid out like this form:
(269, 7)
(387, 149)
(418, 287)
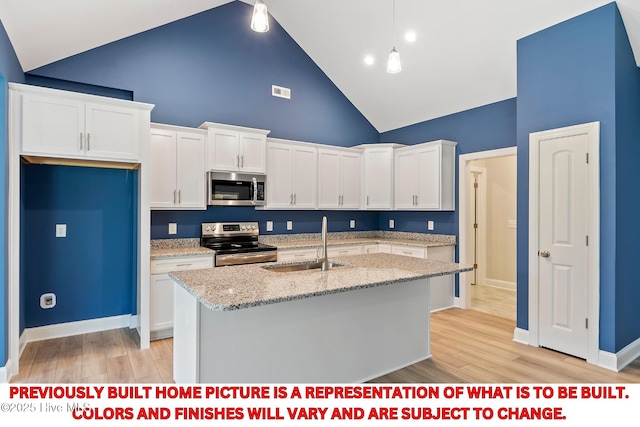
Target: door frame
(593, 250)
(464, 294)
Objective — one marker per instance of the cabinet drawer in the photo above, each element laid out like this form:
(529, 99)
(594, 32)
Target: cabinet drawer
(409, 251)
(371, 249)
(165, 265)
(344, 250)
(293, 255)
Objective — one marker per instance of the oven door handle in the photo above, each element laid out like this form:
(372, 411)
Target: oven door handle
(247, 258)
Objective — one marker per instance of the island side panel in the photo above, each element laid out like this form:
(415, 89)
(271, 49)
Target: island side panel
(348, 337)
(186, 336)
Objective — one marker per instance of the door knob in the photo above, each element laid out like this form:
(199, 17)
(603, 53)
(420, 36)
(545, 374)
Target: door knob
(544, 254)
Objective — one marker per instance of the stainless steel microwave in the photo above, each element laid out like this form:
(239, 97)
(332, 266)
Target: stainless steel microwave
(236, 189)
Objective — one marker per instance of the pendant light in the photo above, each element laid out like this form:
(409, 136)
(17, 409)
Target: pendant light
(393, 64)
(260, 18)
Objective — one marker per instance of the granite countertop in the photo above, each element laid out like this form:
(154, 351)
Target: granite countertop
(250, 285)
(168, 248)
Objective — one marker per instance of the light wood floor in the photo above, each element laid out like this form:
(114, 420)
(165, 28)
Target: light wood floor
(468, 346)
(497, 301)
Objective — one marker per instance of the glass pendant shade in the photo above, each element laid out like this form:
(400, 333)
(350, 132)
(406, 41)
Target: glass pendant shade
(260, 18)
(393, 65)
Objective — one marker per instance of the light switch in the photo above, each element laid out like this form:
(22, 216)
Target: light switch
(269, 225)
(352, 223)
(61, 230)
(512, 223)
(173, 228)
(430, 225)
(392, 223)
(289, 225)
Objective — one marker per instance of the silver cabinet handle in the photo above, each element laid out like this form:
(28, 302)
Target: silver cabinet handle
(238, 160)
(544, 254)
(175, 193)
(291, 199)
(242, 161)
(88, 142)
(294, 198)
(179, 196)
(81, 140)
(367, 200)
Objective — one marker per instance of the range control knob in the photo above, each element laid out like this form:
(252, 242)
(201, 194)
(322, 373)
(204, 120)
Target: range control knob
(208, 228)
(253, 227)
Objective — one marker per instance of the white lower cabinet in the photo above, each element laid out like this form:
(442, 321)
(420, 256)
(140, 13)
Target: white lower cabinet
(335, 251)
(295, 255)
(162, 293)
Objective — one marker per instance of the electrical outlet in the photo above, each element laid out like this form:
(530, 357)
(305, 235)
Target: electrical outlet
(47, 300)
(61, 230)
(392, 223)
(269, 225)
(430, 225)
(173, 228)
(352, 223)
(289, 225)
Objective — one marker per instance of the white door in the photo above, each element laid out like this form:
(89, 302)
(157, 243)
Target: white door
(191, 177)
(305, 166)
(350, 180)
(279, 182)
(378, 178)
(163, 168)
(428, 195)
(563, 230)
(112, 132)
(406, 176)
(252, 158)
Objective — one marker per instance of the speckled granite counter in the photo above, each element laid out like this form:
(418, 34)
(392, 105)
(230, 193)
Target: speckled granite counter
(169, 248)
(238, 287)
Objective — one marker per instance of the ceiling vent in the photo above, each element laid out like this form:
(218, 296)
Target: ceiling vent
(281, 92)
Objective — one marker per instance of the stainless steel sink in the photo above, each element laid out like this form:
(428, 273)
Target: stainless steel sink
(303, 266)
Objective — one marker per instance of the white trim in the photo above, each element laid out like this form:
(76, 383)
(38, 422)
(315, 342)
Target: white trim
(502, 284)
(622, 358)
(464, 297)
(521, 336)
(593, 255)
(75, 328)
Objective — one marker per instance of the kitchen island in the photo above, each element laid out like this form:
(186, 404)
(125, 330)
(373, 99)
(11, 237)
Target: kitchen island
(352, 323)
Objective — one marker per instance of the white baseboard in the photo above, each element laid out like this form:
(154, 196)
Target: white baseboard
(500, 284)
(74, 328)
(622, 358)
(521, 336)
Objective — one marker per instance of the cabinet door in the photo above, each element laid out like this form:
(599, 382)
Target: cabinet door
(112, 132)
(279, 176)
(305, 177)
(52, 125)
(429, 178)
(163, 168)
(190, 172)
(328, 179)
(378, 178)
(223, 150)
(350, 177)
(252, 157)
(161, 312)
(371, 249)
(405, 180)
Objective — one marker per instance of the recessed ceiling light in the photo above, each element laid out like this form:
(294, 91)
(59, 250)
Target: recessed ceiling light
(369, 60)
(410, 36)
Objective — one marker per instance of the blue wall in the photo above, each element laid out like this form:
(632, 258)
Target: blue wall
(577, 72)
(91, 271)
(627, 130)
(10, 70)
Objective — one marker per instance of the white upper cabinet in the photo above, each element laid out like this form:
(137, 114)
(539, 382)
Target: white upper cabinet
(377, 176)
(292, 171)
(70, 125)
(178, 174)
(338, 178)
(235, 148)
(425, 176)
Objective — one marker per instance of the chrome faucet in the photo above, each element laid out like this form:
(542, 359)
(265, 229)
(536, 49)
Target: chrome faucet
(325, 258)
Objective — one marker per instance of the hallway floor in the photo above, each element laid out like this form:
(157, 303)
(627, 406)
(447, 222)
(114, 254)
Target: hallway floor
(495, 301)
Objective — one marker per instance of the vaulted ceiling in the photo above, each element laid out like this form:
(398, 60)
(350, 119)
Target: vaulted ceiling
(464, 55)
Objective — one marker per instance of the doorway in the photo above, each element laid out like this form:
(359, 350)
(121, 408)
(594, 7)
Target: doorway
(487, 231)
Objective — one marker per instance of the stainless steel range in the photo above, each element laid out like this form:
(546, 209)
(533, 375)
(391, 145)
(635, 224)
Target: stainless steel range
(236, 243)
